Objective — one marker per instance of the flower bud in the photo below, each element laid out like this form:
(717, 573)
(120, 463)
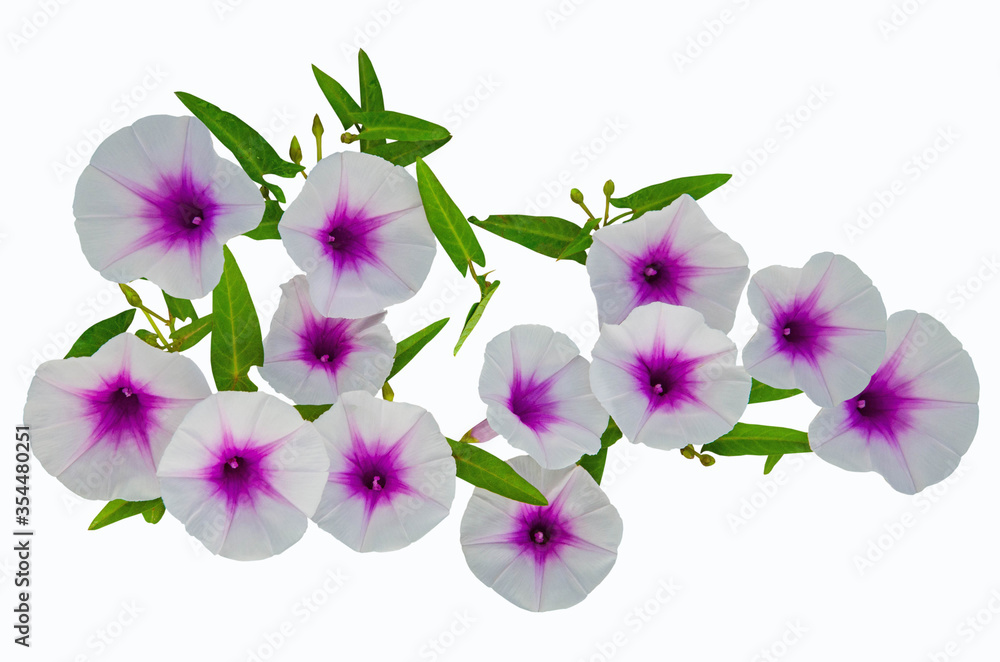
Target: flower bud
(576, 196)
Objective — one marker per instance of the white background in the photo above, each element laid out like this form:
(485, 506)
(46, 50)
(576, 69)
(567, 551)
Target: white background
(817, 107)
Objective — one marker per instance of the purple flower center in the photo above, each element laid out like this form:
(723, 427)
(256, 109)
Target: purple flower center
(326, 342)
(661, 274)
(541, 531)
(121, 412)
(882, 410)
(666, 380)
(374, 473)
(240, 475)
(532, 403)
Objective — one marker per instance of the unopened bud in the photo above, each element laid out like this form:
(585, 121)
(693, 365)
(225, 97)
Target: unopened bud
(688, 452)
(576, 196)
(609, 188)
(131, 296)
(707, 460)
(295, 151)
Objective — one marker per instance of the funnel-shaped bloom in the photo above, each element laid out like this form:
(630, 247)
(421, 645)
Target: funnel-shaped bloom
(243, 473)
(915, 419)
(100, 423)
(392, 476)
(313, 359)
(157, 201)
(822, 328)
(537, 390)
(674, 255)
(543, 557)
(359, 232)
(668, 379)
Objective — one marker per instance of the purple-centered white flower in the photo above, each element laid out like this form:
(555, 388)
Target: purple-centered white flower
(392, 475)
(312, 359)
(243, 473)
(359, 232)
(100, 423)
(822, 328)
(917, 416)
(667, 379)
(157, 201)
(673, 255)
(537, 390)
(543, 557)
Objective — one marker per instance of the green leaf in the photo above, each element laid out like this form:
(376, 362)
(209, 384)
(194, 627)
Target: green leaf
(659, 196)
(547, 235)
(582, 241)
(450, 226)
(475, 313)
(155, 514)
(93, 338)
(119, 509)
(236, 341)
(342, 103)
(182, 309)
(761, 392)
(371, 94)
(482, 469)
(188, 336)
(594, 464)
(405, 152)
(747, 439)
(378, 124)
(408, 348)
(770, 462)
(312, 412)
(255, 155)
(268, 227)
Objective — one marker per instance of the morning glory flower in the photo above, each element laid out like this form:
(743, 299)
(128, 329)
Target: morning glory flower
(543, 557)
(359, 232)
(243, 473)
(537, 390)
(392, 475)
(313, 359)
(916, 417)
(822, 328)
(100, 423)
(673, 255)
(156, 201)
(667, 379)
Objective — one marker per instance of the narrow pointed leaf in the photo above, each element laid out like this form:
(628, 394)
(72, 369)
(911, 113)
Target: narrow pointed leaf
(182, 309)
(371, 94)
(93, 338)
(489, 472)
(117, 510)
(747, 439)
(659, 196)
(378, 124)
(343, 104)
(475, 314)
(582, 241)
(268, 227)
(770, 462)
(189, 335)
(409, 347)
(447, 222)
(547, 235)
(761, 392)
(594, 464)
(254, 154)
(312, 412)
(405, 152)
(236, 338)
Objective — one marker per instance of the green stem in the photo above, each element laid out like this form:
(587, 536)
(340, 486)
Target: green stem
(622, 215)
(166, 345)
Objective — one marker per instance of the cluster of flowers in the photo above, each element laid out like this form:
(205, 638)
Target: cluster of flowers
(244, 471)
